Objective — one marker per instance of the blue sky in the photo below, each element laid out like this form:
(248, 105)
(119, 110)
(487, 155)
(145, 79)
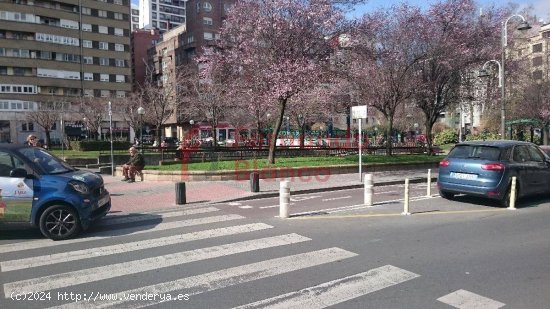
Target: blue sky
(541, 7)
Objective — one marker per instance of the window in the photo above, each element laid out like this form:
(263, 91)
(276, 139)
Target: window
(88, 76)
(537, 61)
(207, 21)
(101, 13)
(103, 61)
(207, 7)
(88, 60)
(119, 32)
(103, 29)
(119, 2)
(104, 45)
(27, 126)
(120, 94)
(208, 36)
(120, 63)
(537, 75)
(86, 44)
(88, 92)
(105, 93)
(119, 47)
(104, 77)
(87, 27)
(120, 79)
(537, 48)
(86, 11)
(118, 16)
(521, 154)
(190, 39)
(535, 154)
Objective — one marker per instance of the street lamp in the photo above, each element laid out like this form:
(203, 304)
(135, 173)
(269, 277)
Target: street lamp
(86, 124)
(524, 25)
(141, 112)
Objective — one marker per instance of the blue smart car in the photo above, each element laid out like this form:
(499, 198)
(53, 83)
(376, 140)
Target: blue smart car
(485, 169)
(38, 188)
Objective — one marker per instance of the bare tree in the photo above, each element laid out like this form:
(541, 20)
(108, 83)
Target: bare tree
(46, 115)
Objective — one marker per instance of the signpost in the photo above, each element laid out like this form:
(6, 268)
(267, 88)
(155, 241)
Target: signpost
(360, 112)
(111, 133)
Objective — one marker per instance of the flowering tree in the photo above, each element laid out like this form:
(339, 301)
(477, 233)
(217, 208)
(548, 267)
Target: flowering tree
(452, 38)
(536, 105)
(277, 49)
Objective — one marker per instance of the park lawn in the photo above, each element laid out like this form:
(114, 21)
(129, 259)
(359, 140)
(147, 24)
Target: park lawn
(297, 162)
(75, 154)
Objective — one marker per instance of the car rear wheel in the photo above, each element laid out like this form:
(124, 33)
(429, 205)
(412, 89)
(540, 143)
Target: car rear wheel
(59, 222)
(446, 195)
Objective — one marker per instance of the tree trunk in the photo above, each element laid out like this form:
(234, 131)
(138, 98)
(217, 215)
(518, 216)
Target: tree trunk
(545, 133)
(276, 129)
(259, 138)
(389, 137)
(214, 137)
(429, 125)
(302, 136)
(48, 140)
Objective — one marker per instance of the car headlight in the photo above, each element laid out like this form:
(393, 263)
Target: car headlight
(79, 187)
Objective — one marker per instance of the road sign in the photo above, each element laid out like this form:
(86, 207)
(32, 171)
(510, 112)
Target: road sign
(359, 112)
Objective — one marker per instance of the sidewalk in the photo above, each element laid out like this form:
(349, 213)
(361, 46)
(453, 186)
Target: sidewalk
(148, 196)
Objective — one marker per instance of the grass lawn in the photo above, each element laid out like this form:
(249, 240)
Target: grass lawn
(297, 162)
(75, 154)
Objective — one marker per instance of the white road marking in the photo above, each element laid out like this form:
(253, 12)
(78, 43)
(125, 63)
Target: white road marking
(336, 198)
(131, 219)
(337, 291)
(246, 207)
(43, 243)
(384, 192)
(463, 299)
(128, 247)
(303, 198)
(137, 266)
(234, 204)
(273, 206)
(223, 278)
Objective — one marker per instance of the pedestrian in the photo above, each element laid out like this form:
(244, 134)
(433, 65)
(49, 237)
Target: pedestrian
(133, 166)
(32, 140)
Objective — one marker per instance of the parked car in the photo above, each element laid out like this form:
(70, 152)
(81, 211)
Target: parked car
(171, 141)
(546, 149)
(485, 169)
(38, 188)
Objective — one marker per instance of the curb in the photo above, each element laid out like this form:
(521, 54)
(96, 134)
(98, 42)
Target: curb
(328, 189)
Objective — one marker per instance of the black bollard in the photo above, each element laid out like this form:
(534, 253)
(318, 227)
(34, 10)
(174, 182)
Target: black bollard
(180, 193)
(254, 182)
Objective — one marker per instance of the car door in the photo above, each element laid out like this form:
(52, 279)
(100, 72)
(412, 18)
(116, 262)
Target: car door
(16, 194)
(524, 169)
(541, 173)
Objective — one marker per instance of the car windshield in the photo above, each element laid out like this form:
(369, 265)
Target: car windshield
(48, 163)
(475, 152)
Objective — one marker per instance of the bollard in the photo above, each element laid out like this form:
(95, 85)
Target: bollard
(513, 195)
(368, 190)
(284, 198)
(429, 188)
(180, 193)
(254, 182)
(406, 200)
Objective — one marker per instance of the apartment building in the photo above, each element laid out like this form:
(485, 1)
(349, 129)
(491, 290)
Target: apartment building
(135, 16)
(141, 42)
(161, 14)
(538, 51)
(60, 50)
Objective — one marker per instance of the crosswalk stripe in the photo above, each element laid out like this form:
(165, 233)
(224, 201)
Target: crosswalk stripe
(463, 299)
(137, 266)
(146, 217)
(222, 278)
(337, 291)
(43, 243)
(127, 247)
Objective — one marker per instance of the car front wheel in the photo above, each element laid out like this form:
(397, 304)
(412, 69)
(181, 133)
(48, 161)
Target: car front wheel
(59, 222)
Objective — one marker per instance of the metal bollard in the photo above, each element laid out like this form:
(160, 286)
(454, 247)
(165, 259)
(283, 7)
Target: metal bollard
(406, 201)
(254, 182)
(513, 195)
(429, 188)
(368, 190)
(284, 198)
(180, 193)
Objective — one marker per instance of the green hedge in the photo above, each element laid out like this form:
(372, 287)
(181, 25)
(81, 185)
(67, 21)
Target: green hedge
(99, 145)
(447, 136)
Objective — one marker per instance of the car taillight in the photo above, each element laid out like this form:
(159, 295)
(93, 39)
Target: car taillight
(493, 166)
(444, 163)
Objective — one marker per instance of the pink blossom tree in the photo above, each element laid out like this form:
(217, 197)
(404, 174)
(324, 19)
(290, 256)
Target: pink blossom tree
(536, 105)
(278, 49)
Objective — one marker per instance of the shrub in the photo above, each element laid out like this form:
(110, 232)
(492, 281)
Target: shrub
(485, 136)
(99, 145)
(447, 136)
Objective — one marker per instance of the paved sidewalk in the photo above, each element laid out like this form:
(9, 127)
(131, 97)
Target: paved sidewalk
(155, 195)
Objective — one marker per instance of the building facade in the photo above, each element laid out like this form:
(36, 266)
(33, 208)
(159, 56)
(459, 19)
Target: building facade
(161, 14)
(60, 51)
(135, 17)
(141, 40)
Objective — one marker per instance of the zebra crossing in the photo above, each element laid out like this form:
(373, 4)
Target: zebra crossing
(123, 262)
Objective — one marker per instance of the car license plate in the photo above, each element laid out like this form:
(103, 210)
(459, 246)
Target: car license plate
(463, 176)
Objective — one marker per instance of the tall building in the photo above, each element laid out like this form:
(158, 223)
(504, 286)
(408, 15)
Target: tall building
(161, 14)
(60, 50)
(141, 41)
(135, 16)
(537, 49)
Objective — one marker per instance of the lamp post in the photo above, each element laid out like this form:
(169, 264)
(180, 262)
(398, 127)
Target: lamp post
(191, 123)
(86, 124)
(141, 112)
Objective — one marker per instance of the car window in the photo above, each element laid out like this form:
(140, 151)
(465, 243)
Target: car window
(475, 152)
(521, 154)
(536, 155)
(48, 163)
(7, 163)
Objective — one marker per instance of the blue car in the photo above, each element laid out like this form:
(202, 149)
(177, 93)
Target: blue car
(38, 188)
(485, 169)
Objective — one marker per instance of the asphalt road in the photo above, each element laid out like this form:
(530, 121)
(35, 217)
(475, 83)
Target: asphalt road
(466, 253)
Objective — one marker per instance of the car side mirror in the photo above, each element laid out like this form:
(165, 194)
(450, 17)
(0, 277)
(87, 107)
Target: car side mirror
(18, 173)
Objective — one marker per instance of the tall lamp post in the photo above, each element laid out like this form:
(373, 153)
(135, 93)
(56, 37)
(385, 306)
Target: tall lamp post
(86, 124)
(141, 112)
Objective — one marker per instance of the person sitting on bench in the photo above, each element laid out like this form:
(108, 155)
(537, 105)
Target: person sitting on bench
(133, 166)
